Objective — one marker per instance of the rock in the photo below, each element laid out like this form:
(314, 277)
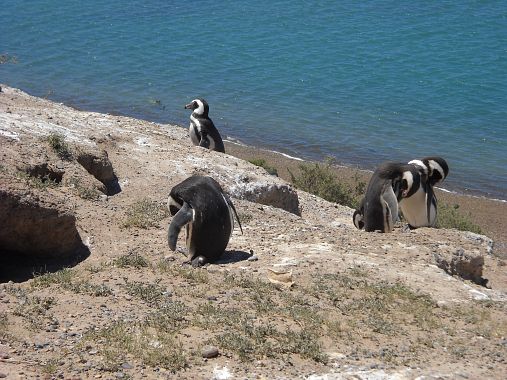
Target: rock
(467, 265)
(253, 258)
(97, 163)
(209, 352)
(127, 366)
(3, 375)
(270, 194)
(34, 223)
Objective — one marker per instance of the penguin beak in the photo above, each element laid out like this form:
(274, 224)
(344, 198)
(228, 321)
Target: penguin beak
(189, 106)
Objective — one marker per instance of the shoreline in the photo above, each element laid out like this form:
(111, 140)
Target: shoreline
(235, 141)
(474, 194)
(489, 214)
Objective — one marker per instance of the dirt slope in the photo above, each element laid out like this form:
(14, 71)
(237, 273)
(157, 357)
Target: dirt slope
(304, 296)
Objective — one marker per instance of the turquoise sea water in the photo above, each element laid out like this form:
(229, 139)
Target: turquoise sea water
(363, 82)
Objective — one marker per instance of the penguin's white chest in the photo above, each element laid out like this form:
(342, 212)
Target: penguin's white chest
(194, 130)
(414, 210)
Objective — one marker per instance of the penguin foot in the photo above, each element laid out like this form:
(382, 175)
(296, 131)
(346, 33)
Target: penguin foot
(199, 261)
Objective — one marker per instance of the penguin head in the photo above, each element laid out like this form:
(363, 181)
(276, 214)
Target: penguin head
(438, 169)
(434, 169)
(409, 183)
(421, 166)
(174, 204)
(199, 107)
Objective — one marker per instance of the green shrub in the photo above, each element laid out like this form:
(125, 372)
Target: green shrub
(263, 164)
(450, 217)
(320, 180)
(57, 142)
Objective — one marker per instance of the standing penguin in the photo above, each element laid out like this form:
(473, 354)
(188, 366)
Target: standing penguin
(199, 204)
(420, 209)
(202, 130)
(378, 210)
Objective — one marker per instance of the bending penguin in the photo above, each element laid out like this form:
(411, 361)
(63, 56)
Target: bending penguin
(199, 204)
(420, 209)
(378, 210)
(202, 130)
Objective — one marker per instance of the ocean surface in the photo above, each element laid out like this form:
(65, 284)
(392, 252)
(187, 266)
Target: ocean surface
(362, 82)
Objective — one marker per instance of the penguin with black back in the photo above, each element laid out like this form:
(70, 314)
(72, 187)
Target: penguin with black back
(202, 130)
(420, 209)
(378, 210)
(199, 204)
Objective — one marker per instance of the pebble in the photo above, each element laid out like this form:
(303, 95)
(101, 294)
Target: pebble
(127, 366)
(212, 298)
(119, 375)
(3, 375)
(253, 258)
(209, 352)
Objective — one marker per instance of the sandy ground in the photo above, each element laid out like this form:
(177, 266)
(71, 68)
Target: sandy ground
(294, 297)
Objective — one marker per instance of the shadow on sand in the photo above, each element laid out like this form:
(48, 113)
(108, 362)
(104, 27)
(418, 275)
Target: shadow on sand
(233, 256)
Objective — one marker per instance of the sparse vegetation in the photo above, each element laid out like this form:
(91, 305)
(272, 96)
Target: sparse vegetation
(320, 180)
(449, 217)
(58, 144)
(41, 183)
(263, 164)
(153, 347)
(190, 274)
(84, 192)
(152, 294)
(50, 367)
(131, 260)
(66, 279)
(35, 311)
(144, 214)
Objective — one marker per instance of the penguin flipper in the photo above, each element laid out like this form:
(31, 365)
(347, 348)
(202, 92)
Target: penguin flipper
(182, 218)
(205, 143)
(231, 205)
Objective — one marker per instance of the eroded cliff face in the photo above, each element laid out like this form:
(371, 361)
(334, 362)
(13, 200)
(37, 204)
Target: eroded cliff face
(357, 286)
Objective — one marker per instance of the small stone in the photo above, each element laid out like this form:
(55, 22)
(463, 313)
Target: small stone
(127, 366)
(253, 258)
(3, 375)
(119, 375)
(212, 298)
(93, 352)
(209, 352)
(4, 355)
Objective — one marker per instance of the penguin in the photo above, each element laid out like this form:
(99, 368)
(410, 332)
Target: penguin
(202, 130)
(378, 210)
(420, 209)
(199, 204)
